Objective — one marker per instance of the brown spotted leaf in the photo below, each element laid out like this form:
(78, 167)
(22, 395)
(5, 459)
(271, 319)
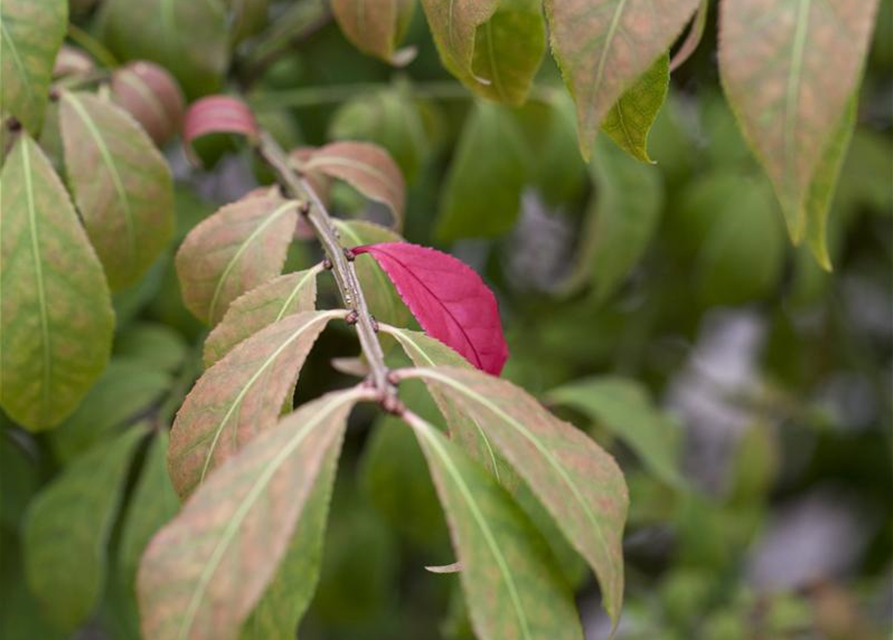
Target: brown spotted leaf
(789, 68)
(511, 583)
(31, 32)
(367, 168)
(240, 396)
(204, 573)
(425, 351)
(261, 307)
(577, 482)
(121, 184)
(604, 46)
(56, 319)
(240, 247)
(375, 28)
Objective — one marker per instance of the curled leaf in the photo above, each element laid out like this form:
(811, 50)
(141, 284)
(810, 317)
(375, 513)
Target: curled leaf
(151, 95)
(218, 114)
(367, 168)
(71, 61)
(448, 298)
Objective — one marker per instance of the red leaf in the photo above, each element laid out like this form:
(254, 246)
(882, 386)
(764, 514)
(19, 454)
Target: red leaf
(218, 114)
(448, 298)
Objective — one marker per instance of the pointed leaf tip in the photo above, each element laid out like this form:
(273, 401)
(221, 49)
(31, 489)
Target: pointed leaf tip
(448, 298)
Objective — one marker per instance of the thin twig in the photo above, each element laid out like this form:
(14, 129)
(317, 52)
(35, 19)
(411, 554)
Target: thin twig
(342, 268)
(91, 45)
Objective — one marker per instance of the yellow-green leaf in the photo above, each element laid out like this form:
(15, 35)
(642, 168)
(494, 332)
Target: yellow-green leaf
(56, 317)
(630, 119)
(512, 586)
(261, 307)
(205, 572)
(577, 482)
(240, 247)
(240, 396)
(121, 184)
(604, 46)
(31, 33)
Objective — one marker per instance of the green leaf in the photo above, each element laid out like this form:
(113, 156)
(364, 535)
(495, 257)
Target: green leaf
(19, 479)
(622, 219)
(67, 527)
(261, 307)
(189, 39)
(240, 396)
(508, 50)
(153, 504)
(490, 158)
(375, 28)
(623, 407)
(824, 182)
(630, 119)
(741, 254)
(576, 481)
(31, 33)
(511, 584)
(248, 18)
(604, 46)
(123, 392)
(284, 603)
(454, 27)
(156, 345)
(549, 128)
(790, 95)
(390, 119)
(383, 299)
(240, 247)
(56, 318)
(394, 476)
(121, 185)
(203, 574)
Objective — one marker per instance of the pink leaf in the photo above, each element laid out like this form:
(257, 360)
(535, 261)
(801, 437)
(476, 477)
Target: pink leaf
(218, 114)
(448, 298)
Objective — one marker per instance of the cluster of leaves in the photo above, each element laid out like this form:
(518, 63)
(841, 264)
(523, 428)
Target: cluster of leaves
(529, 499)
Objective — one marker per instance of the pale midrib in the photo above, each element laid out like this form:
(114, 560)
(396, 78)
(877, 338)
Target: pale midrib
(404, 338)
(311, 273)
(242, 248)
(497, 81)
(428, 432)
(623, 128)
(254, 378)
(230, 531)
(113, 172)
(38, 268)
(792, 98)
(609, 39)
(535, 441)
(17, 60)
